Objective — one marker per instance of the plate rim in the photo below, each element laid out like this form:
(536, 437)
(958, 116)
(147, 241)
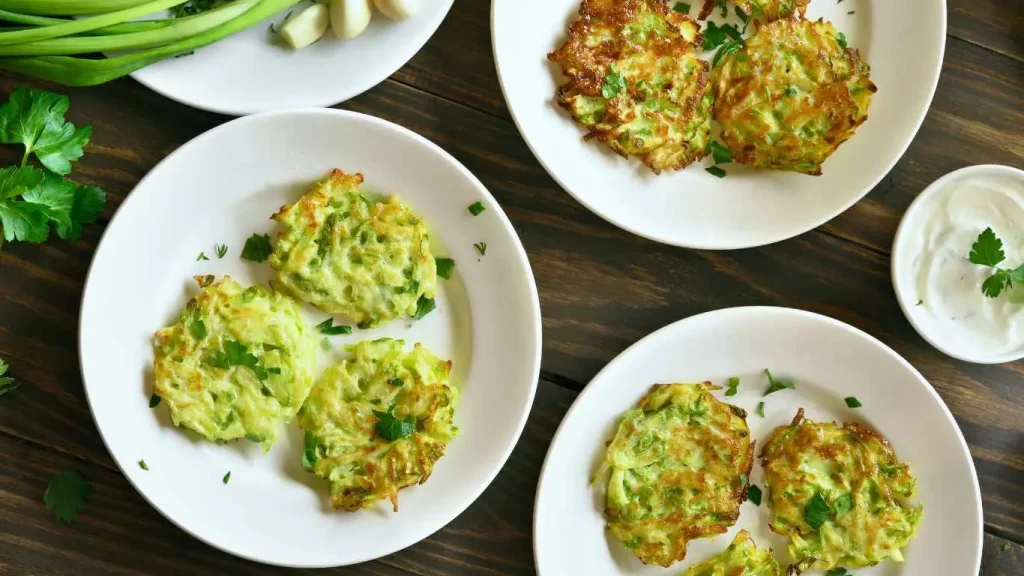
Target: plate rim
(712, 244)
(535, 317)
(347, 93)
(780, 311)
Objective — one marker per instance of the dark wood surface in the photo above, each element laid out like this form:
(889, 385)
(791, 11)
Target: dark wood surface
(601, 289)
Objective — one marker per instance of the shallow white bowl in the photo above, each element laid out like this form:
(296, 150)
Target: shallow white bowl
(935, 333)
(828, 361)
(222, 187)
(902, 40)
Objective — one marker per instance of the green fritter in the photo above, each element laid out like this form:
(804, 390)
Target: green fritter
(238, 363)
(679, 463)
(346, 254)
(377, 422)
(791, 95)
(635, 82)
(839, 493)
(741, 558)
(763, 10)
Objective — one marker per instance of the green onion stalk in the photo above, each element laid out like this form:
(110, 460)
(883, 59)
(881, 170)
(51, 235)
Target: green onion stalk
(43, 50)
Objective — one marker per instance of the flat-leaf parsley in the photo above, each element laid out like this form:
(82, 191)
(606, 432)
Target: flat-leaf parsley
(987, 250)
(66, 495)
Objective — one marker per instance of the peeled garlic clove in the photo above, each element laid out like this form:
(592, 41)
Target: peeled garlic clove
(350, 17)
(306, 27)
(396, 9)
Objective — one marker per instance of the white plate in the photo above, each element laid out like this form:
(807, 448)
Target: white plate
(903, 41)
(221, 188)
(829, 361)
(253, 72)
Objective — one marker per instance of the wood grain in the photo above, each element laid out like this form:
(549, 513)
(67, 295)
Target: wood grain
(995, 24)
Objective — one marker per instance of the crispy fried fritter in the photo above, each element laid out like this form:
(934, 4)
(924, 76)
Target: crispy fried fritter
(678, 464)
(635, 82)
(380, 385)
(741, 558)
(839, 493)
(791, 96)
(763, 10)
(347, 254)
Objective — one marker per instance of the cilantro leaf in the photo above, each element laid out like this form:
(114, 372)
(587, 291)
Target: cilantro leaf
(476, 208)
(852, 402)
(66, 495)
(391, 428)
(309, 455)
(776, 385)
(987, 250)
(327, 327)
(7, 384)
(817, 511)
(35, 119)
(754, 494)
(257, 248)
(424, 306)
(734, 383)
(445, 267)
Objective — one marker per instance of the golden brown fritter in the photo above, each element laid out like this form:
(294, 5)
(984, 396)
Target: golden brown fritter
(635, 82)
(763, 10)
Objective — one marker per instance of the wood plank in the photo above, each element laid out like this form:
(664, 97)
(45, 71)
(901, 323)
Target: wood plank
(995, 24)
(1001, 557)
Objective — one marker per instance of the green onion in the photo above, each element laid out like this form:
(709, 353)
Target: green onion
(122, 28)
(67, 7)
(75, 26)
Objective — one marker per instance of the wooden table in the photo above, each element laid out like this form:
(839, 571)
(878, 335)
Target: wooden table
(601, 289)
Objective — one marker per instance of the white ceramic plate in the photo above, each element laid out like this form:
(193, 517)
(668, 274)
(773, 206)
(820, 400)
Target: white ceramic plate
(254, 72)
(221, 188)
(903, 41)
(829, 361)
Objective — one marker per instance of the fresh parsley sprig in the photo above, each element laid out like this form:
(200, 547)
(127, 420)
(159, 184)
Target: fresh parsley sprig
(391, 428)
(7, 384)
(987, 250)
(66, 495)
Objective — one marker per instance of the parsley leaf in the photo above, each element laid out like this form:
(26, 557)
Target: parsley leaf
(716, 171)
(391, 428)
(716, 35)
(481, 247)
(445, 267)
(754, 494)
(720, 153)
(227, 477)
(66, 495)
(844, 503)
(852, 402)
(309, 455)
(35, 118)
(682, 7)
(202, 256)
(257, 248)
(327, 327)
(476, 208)
(221, 250)
(841, 39)
(817, 511)
(198, 329)
(7, 384)
(614, 84)
(396, 381)
(987, 250)
(760, 409)
(734, 383)
(776, 385)
(154, 401)
(143, 465)
(424, 306)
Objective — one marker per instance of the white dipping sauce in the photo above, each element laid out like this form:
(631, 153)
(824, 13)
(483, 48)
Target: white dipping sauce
(940, 288)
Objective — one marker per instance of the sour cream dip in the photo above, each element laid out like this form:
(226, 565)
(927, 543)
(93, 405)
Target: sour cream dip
(939, 288)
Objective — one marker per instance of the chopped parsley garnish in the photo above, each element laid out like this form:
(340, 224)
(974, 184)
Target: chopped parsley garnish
(734, 383)
(202, 256)
(154, 400)
(844, 504)
(221, 249)
(445, 267)
(725, 9)
(838, 571)
(720, 153)
(7, 384)
(919, 302)
(327, 327)
(391, 428)
(817, 511)
(481, 247)
(396, 381)
(850, 13)
(841, 39)
(682, 7)
(237, 354)
(143, 465)
(476, 208)
(424, 306)
(257, 248)
(852, 402)
(716, 35)
(227, 477)
(309, 455)
(754, 494)
(66, 495)
(760, 409)
(198, 329)
(775, 385)
(716, 171)
(614, 84)
(987, 250)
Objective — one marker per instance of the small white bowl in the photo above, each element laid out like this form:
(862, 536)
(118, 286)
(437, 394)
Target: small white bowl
(902, 278)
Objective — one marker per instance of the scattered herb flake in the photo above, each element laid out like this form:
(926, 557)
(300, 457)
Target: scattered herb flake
(841, 39)
(682, 7)
(743, 479)
(481, 247)
(396, 381)
(776, 385)
(309, 455)
(328, 328)
(221, 249)
(154, 400)
(445, 267)
(257, 248)
(919, 302)
(202, 256)
(614, 84)
(844, 503)
(838, 571)
(760, 409)
(734, 383)
(424, 306)
(850, 13)
(817, 511)
(227, 477)
(754, 494)
(198, 329)
(66, 495)
(852, 402)
(326, 344)
(716, 171)
(476, 208)
(391, 428)
(143, 465)
(720, 153)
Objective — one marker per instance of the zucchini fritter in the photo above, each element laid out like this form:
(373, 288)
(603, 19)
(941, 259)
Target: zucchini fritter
(839, 493)
(741, 558)
(763, 10)
(791, 95)
(345, 254)
(635, 82)
(678, 464)
(237, 364)
(377, 422)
